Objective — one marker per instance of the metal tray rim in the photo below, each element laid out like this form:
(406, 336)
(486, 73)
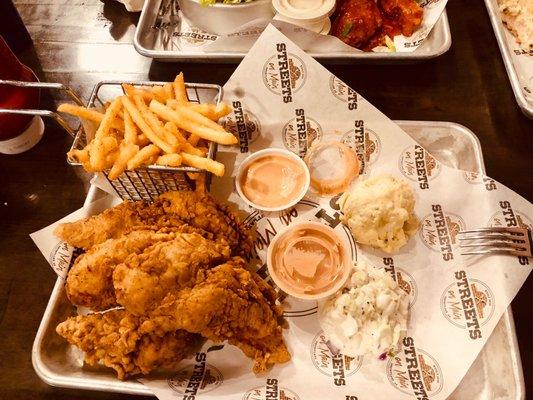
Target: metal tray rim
(499, 32)
(237, 56)
(136, 388)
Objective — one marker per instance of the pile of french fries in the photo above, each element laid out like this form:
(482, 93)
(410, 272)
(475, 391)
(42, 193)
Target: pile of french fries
(155, 125)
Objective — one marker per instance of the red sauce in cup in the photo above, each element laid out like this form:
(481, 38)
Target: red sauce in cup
(13, 97)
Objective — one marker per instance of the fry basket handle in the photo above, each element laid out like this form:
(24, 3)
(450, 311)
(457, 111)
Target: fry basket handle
(43, 113)
(45, 85)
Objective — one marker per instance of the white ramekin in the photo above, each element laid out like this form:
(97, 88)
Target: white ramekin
(266, 152)
(345, 259)
(221, 18)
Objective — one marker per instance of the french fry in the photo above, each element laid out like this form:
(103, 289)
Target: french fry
(81, 156)
(184, 145)
(143, 156)
(180, 92)
(156, 125)
(144, 127)
(168, 114)
(142, 140)
(100, 152)
(130, 130)
(171, 160)
(169, 91)
(211, 111)
(109, 117)
(85, 113)
(203, 163)
(200, 183)
(193, 139)
(159, 93)
(126, 151)
(132, 91)
(189, 113)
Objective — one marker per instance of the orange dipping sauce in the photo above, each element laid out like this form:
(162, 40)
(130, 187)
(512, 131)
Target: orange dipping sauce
(308, 261)
(273, 181)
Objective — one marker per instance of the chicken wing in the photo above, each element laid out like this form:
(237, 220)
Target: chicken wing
(113, 339)
(229, 303)
(407, 12)
(357, 22)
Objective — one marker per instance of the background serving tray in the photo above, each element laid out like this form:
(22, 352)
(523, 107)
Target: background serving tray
(497, 369)
(505, 41)
(151, 34)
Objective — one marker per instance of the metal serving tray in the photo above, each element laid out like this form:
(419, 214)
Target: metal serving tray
(495, 374)
(504, 42)
(151, 33)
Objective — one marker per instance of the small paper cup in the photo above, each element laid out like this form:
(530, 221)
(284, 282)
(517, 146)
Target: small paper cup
(267, 152)
(345, 260)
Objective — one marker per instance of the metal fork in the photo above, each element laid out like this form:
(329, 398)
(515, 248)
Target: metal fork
(513, 241)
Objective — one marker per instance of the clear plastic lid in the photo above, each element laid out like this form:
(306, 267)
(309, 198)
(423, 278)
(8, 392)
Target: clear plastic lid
(304, 10)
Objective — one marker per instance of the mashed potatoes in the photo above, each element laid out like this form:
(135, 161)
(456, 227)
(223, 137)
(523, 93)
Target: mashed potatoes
(379, 212)
(518, 17)
(369, 316)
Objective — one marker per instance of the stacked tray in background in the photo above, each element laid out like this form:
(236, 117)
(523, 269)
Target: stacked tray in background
(521, 80)
(155, 38)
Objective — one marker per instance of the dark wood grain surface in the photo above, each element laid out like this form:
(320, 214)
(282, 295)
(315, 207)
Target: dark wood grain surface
(81, 42)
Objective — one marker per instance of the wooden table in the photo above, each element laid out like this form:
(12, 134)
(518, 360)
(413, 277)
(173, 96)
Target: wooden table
(81, 42)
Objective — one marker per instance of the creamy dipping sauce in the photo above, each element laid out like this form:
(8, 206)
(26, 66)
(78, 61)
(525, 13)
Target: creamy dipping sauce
(272, 181)
(308, 259)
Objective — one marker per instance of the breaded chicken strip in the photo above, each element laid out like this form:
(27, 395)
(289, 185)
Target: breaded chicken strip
(89, 281)
(144, 279)
(229, 303)
(113, 339)
(168, 260)
(171, 210)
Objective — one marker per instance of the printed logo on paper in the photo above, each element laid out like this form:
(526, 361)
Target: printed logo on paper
(244, 125)
(301, 132)
(511, 218)
(439, 230)
(196, 378)
(271, 391)
(194, 36)
(343, 92)
(284, 73)
(327, 359)
(365, 142)
(62, 257)
(414, 371)
(468, 304)
(476, 178)
(418, 165)
(405, 280)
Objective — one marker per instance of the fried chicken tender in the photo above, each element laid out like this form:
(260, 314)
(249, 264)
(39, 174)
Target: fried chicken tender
(113, 339)
(143, 280)
(170, 210)
(407, 12)
(229, 303)
(148, 263)
(89, 281)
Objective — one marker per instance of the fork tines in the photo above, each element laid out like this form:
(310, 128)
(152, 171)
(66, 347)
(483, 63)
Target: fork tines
(513, 241)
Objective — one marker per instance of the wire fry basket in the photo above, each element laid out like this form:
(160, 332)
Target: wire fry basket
(148, 182)
(144, 183)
